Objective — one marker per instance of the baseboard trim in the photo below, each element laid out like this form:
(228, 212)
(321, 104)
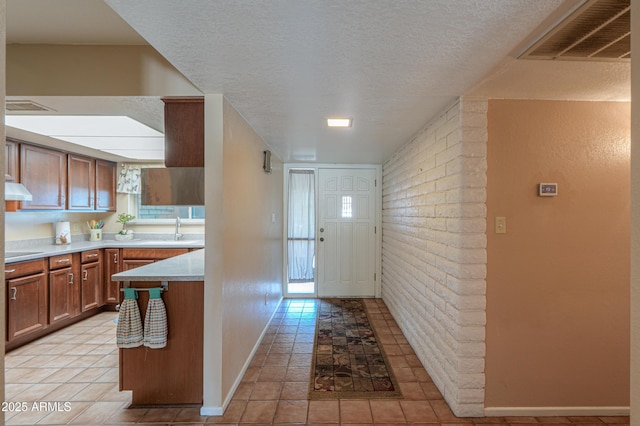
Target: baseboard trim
(219, 411)
(555, 411)
(211, 411)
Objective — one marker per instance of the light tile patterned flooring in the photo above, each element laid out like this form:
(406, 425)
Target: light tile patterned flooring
(79, 365)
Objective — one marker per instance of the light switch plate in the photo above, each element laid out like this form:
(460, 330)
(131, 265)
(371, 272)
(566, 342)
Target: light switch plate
(501, 225)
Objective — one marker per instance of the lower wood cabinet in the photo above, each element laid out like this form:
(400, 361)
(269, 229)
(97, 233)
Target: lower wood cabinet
(111, 289)
(171, 375)
(91, 286)
(26, 305)
(46, 294)
(64, 295)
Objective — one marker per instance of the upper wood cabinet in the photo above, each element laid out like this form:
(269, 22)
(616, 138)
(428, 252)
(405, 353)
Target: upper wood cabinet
(58, 180)
(105, 185)
(11, 164)
(81, 182)
(44, 172)
(184, 131)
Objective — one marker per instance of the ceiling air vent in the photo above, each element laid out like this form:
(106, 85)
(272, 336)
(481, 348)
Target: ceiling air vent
(24, 106)
(600, 30)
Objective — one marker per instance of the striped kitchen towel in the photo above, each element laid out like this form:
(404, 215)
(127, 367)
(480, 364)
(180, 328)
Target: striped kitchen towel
(129, 329)
(155, 322)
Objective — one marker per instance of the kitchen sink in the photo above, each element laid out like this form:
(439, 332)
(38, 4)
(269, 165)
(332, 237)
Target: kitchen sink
(8, 254)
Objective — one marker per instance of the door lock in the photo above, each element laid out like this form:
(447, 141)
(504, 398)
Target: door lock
(321, 229)
(321, 238)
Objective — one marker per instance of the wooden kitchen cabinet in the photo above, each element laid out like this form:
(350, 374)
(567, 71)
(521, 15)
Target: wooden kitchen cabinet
(129, 264)
(44, 172)
(26, 284)
(61, 181)
(111, 289)
(11, 160)
(81, 183)
(135, 257)
(64, 288)
(105, 185)
(171, 375)
(91, 279)
(151, 254)
(62, 295)
(183, 131)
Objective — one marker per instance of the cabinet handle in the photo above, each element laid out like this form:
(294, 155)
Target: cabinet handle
(8, 271)
(115, 258)
(70, 277)
(15, 293)
(62, 261)
(93, 255)
(85, 274)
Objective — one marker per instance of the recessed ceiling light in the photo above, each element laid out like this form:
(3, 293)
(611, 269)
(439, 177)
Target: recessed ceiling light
(339, 122)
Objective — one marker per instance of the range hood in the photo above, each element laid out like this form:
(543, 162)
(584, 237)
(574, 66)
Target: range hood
(175, 186)
(14, 191)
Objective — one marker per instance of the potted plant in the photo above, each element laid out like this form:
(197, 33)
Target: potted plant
(124, 233)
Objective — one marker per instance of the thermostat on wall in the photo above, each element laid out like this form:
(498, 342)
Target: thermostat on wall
(548, 189)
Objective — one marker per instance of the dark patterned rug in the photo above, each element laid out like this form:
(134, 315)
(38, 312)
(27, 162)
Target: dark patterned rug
(347, 361)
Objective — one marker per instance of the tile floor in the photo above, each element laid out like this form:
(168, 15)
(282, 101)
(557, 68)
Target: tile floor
(78, 365)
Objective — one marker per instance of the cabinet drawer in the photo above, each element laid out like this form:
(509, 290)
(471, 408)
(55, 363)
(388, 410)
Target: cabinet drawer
(154, 254)
(23, 268)
(90, 256)
(60, 261)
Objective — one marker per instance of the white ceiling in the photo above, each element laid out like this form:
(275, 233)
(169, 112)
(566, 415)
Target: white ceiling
(286, 65)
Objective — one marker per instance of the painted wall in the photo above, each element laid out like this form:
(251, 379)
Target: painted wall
(65, 70)
(253, 214)
(558, 280)
(635, 218)
(433, 249)
(243, 269)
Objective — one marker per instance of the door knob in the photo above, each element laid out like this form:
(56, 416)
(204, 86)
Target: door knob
(321, 238)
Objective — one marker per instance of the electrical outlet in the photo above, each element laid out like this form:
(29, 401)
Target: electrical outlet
(76, 227)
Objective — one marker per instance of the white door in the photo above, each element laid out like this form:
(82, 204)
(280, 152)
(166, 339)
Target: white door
(346, 232)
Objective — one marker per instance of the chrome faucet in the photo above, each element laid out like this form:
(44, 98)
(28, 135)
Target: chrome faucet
(178, 234)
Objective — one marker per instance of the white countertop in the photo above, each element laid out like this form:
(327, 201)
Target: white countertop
(40, 251)
(186, 267)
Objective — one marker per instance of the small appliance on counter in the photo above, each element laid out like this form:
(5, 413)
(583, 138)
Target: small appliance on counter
(63, 232)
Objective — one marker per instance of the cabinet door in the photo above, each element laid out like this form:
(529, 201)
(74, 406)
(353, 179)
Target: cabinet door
(27, 305)
(184, 132)
(91, 289)
(81, 185)
(105, 185)
(61, 290)
(11, 161)
(44, 173)
(111, 289)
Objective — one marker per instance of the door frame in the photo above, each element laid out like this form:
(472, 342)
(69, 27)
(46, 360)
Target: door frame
(378, 220)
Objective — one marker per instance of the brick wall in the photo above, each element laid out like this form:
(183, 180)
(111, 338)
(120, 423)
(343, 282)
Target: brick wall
(434, 249)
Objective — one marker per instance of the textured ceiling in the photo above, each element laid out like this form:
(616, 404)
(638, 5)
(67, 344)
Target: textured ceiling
(286, 65)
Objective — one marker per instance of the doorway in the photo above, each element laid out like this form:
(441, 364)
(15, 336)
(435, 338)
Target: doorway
(301, 225)
(347, 227)
(332, 240)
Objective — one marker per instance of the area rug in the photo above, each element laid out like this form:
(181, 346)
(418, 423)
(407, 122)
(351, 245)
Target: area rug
(347, 361)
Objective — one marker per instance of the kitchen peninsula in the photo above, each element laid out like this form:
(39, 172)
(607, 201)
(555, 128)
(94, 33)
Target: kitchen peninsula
(171, 375)
(49, 286)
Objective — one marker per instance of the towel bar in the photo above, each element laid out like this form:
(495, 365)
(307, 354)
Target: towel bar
(164, 285)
